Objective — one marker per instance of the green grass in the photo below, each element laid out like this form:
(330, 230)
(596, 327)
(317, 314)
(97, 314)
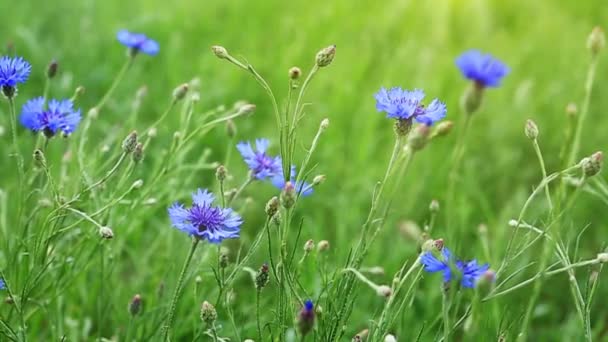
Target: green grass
(408, 43)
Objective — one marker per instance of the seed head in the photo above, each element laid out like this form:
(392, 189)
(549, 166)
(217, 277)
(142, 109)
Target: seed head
(135, 305)
(208, 313)
(326, 56)
(596, 40)
(295, 73)
(128, 145)
(531, 130)
(106, 233)
(220, 51)
(51, 69)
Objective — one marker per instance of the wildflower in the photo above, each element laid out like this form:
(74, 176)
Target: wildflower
(58, 116)
(470, 271)
(260, 163)
(208, 313)
(204, 220)
(302, 188)
(405, 105)
(137, 42)
(483, 69)
(2, 284)
(13, 70)
(135, 305)
(306, 318)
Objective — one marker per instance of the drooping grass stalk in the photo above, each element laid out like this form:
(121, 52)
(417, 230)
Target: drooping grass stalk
(178, 288)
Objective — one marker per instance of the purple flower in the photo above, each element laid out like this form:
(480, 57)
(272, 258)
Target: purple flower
(306, 318)
(260, 163)
(403, 104)
(57, 116)
(483, 69)
(303, 188)
(138, 42)
(2, 284)
(204, 220)
(470, 271)
(13, 70)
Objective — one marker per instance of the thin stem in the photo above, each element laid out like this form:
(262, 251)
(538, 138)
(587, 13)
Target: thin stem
(20, 166)
(163, 116)
(178, 287)
(115, 84)
(541, 161)
(457, 156)
(240, 190)
(446, 316)
(128, 333)
(257, 314)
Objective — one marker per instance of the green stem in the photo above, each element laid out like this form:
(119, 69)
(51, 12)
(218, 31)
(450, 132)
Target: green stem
(541, 161)
(177, 292)
(257, 314)
(240, 190)
(115, 84)
(446, 316)
(458, 154)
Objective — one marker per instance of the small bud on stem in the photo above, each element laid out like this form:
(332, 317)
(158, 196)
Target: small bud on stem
(326, 56)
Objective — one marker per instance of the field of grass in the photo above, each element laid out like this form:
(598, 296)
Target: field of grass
(66, 283)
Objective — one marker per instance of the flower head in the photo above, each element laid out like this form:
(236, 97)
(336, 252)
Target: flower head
(2, 284)
(306, 318)
(260, 163)
(483, 69)
(302, 188)
(470, 271)
(403, 104)
(138, 42)
(13, 70)
(57, 116)
(204, 220)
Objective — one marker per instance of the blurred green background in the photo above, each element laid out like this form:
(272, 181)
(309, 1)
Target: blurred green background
(411, 44)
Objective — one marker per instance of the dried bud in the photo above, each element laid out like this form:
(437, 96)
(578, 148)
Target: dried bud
(384, 291)
(262, 277)
(231, 129)
(51, 69)
(323, 246)
(443, 128)
(602, 257)
(295, 73)
(128, 145)
(326, 56)
(220, 51)
(410, 230)
(272, 207)
(592, 165)
(138, 153)
(434, 206)
(220, 173)
(324, 124)
(180, 92)
(309, 246)
(208, 313)
(419, 137)
(106, 233)
(288, 195)
(596, 40)
(319, 179)
(472, 98)
(135, 305)
(531, 130)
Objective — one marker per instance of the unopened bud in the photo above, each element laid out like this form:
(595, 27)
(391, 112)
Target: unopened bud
(375, 270)
(602, 257)
(294, 73)
(531, 130)
(324, 124)
(128, 145)
(472, 98)
(272, 207)
(220, 51)
(198, 280)
(482, 229)
(288, 195)
(135, 305)
(246, 109)
(361, 336)
(231, 129)
(390, 338)
(596, 40)
(220, 173)
(262, 277)
(309, 246)
(106, 233)
(443, 128)
(208, 313)
(323, 246)
(138, 153)
(180, 92)
(137, 184)
(93, 113)
(419, 137)
(384, 291)
(51, 69)
(434, 206)
(592, 165)
(438, 244)
(319, 179)
(326, 56)
(80, 90)
(513, 223)
(276, 219)
(152, 132)
(224, 258)
(571, 110)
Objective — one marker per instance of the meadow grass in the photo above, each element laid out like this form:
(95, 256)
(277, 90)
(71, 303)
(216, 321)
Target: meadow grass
(67, 283)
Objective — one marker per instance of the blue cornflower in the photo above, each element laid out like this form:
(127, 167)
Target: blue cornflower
(138, 42)
(303, 188)
(13, 70)
(306, 318)
(58, 116)
(204, 220)
(483, 69)
(469, 271)
(2, 284)
(260, 163)
(403, 104)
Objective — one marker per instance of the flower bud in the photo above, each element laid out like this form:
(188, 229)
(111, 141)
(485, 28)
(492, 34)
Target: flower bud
(602, 257)
(220, 173)
(198, 280)
(128, 145)
(51, 69)
(137, 184)
(180, 92)
(324, 124)
(262, 277)
(208, 313)
(306, 318)
(531, 130)
(272, 207)
(288, 195)
(80, 90)
(434, 206)
(309, 246)
(390, 338)
(135, 305)
(295, 73)
(326, 56)
(438, 244)
(472, 98)
(592, 165)
(323, 246)
(106, 233)
(419, 137)
(231, 129)
(319, 179)
(571, 110)
(361, 336)
(443, 128)
(93, 113)
(276, 219)
(138, 153)
(384, 291)
(39, 158)
(246, 109)
(220, 51)
(596, 40)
